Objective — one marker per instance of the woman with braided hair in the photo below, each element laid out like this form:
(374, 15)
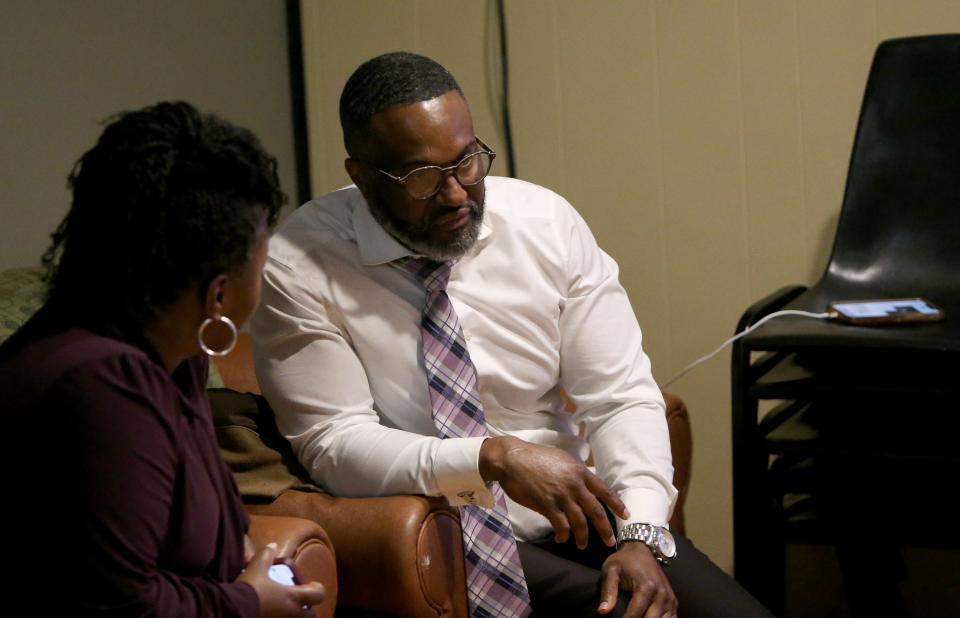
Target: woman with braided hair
(154, 267)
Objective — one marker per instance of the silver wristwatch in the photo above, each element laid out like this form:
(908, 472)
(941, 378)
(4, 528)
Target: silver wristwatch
(657, 538)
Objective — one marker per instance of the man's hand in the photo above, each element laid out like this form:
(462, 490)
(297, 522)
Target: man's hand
(634, 569)
(551, 482)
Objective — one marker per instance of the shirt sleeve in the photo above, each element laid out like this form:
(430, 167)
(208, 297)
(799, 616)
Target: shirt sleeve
(607, 375)
(319, 391)
(123, 473)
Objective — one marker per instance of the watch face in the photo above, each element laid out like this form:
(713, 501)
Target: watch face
(666, 544)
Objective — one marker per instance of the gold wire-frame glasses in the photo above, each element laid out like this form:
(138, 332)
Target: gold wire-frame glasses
(425, 182)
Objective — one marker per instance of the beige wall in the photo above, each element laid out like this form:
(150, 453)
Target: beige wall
(67, 65)
(705, 142)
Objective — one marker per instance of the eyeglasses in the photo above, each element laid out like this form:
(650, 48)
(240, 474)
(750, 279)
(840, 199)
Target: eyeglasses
(425, 182)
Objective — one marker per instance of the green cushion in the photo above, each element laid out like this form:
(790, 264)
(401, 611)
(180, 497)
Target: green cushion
(21, 294)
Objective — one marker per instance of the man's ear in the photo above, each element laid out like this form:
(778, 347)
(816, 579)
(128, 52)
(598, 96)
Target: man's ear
(358, 174)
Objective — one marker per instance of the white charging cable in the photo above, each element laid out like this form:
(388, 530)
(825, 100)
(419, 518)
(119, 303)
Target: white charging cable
(826, 315)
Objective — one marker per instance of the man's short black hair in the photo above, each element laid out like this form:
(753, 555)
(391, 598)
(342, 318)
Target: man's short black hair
(395, 78)
(166, 198)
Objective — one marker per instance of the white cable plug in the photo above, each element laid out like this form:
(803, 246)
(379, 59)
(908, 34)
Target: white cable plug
(826, 315)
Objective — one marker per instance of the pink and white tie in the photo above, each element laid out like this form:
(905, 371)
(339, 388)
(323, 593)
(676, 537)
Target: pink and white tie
(495, 582)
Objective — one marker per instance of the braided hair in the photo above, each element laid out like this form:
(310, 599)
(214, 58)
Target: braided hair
(167, 197)
(396, 78)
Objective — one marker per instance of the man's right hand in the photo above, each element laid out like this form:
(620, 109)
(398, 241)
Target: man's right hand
(553, 483)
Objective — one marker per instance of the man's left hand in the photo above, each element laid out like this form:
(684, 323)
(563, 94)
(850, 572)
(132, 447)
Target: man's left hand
(634, 569)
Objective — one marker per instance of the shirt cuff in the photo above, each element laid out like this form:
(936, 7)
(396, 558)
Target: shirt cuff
(457, 471)
(646, 506)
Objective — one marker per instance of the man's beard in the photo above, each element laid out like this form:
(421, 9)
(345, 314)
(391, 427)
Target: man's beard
(417, 236)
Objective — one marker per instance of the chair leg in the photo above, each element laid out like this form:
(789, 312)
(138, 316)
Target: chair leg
(758, 548)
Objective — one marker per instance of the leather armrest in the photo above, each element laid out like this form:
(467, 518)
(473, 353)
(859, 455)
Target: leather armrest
(395, 553)
(681, 445)
(308, 546)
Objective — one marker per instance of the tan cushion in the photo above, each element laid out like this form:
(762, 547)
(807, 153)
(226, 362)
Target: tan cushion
(261, 460)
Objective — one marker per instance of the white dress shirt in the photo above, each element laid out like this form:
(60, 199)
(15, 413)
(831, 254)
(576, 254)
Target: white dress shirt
(336, 347)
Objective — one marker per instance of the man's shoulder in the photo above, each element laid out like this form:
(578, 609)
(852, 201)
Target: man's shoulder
(315, 225)
(514, 189)
(520, 207)
(520, 199)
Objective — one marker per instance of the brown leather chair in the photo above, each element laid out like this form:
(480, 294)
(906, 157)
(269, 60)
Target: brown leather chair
(308, 546)
(404, 553)
(681, 445)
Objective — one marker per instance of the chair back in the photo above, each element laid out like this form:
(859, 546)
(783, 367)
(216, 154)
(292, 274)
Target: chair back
(899, 228)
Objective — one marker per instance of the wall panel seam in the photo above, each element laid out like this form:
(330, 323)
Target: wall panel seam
(661, 190)
(804, 222)
(745, 214)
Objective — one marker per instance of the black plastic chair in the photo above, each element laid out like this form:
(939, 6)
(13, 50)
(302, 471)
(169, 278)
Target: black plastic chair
(856, 402)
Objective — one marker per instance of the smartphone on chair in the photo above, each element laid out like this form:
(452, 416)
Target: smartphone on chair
(885, 311)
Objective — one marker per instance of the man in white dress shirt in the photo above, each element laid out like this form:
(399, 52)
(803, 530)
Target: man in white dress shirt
(337, 345)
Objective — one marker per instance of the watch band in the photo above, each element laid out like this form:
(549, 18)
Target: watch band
(657, 538)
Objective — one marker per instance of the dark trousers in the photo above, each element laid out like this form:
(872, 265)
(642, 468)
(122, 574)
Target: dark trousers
(565, 581)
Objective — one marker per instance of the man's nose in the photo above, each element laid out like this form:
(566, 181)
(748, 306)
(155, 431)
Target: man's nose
(451, 191)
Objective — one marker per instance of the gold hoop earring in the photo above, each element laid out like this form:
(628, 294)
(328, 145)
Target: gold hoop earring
(233, 335)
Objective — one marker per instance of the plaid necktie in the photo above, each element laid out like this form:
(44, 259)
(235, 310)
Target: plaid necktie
(495, 581)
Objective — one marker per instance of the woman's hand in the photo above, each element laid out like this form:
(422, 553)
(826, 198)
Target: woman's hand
(277, 600)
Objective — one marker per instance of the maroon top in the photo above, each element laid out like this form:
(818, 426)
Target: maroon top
(120, 499)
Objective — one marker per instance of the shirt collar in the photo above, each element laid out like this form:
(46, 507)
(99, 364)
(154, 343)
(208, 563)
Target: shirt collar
(377, 246)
